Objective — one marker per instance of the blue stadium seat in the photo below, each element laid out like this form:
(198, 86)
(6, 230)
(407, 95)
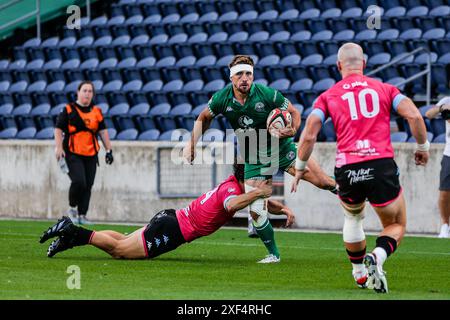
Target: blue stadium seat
(438, 139)
(269, 60)
(186, 61)
(380, 58)
(175, 135)
(22, 109)
(193, 85)
(429, 137)
(19, 86)
(8, 133)
(328, 131)
(399, 136)
(4, 85)
(119, 109)
(37, 86)
(41, 109)
(104, 107)
(146, 62)
(437, 126)
(173, 85)
(149, 135)
(293, 59)
(6, 109)
(45, 134)
(440, 78)
(112, 132)
(128, 134)
(154, 85)
(214, 85)
(213, 135)
(323, 84)
(280, 84)
(26, 133)
(302, 84)
(206, 61)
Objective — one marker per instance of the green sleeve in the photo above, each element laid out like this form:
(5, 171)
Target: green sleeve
(215, 105)
(276, 99)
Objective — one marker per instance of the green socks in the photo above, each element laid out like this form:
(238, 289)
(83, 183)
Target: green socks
(266, 234)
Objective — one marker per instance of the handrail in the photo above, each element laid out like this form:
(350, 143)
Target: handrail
(427, 71)
(37, 13)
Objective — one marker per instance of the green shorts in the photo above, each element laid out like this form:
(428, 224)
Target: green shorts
(264, 171)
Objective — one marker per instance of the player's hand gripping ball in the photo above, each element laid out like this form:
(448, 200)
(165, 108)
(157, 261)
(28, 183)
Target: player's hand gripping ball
(278, 119)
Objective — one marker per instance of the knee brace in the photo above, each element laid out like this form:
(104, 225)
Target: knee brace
(353, 226)
(259, 206)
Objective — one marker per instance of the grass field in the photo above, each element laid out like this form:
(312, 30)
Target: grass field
(221, 266)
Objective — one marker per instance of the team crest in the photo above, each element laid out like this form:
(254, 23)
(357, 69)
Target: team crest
(245, 122)
(290, 155)
(259, 107)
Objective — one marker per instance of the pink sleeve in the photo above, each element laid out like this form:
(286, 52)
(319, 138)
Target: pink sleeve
(227, 191)
(393, 91)
(321, 104)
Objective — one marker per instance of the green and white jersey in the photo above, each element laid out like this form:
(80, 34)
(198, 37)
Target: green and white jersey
(249, 120)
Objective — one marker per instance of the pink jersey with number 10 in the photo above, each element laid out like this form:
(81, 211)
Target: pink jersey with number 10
(360, 109)
(207, 213)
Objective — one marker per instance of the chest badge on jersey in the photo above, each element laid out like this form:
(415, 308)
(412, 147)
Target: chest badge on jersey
(259, 107)
(245, 121)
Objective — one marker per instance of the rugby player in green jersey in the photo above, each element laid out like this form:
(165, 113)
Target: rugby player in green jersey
(246, 106)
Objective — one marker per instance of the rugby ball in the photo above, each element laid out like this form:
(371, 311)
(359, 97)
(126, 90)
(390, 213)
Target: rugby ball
(278, 119)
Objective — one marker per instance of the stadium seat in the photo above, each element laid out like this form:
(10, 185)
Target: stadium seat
(437, 126)
(328, 131)
(214, 85)
(149, 135)
(119, 109)
(26, 133)
(439, 139)
(429, 137)
(280, 84)
(45, 134)
(213, 135)
(323, 84)
(6, 109)
(128, 134)
(134, 85)
(8, 133)
(112, 132)
(399, 136)
(175, 135)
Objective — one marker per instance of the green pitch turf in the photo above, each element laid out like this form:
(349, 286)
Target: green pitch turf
(221, 266)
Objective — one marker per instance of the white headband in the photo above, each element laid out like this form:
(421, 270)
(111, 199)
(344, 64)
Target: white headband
(240, 67)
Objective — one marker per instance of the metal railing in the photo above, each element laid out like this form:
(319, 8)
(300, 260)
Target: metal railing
(427, 71)
(37, 13)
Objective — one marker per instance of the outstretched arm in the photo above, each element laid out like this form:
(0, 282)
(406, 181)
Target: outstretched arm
(306, 146)
(264, 190)
(277, 208)
(408, 110)
(202, 123)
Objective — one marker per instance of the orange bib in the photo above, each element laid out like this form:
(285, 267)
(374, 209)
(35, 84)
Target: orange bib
(83, 138)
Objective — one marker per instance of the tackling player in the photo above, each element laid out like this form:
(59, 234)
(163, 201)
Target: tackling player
(246, 106)
(360, 109)
(169, 228)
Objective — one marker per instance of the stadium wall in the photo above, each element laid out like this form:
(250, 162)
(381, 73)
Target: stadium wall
(32, 186)
(318, 209)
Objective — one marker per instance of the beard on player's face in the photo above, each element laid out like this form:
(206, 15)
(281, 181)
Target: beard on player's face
(243, 86)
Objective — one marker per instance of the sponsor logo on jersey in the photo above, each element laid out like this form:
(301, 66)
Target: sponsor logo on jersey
(360, 175)
(290, 155)
(231, 190)
(259, 107)
(229, 109)
(245, 121)
(354, 84)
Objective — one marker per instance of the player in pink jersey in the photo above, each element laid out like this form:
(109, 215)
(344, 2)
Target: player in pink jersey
(360, 109)
(168, 229)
